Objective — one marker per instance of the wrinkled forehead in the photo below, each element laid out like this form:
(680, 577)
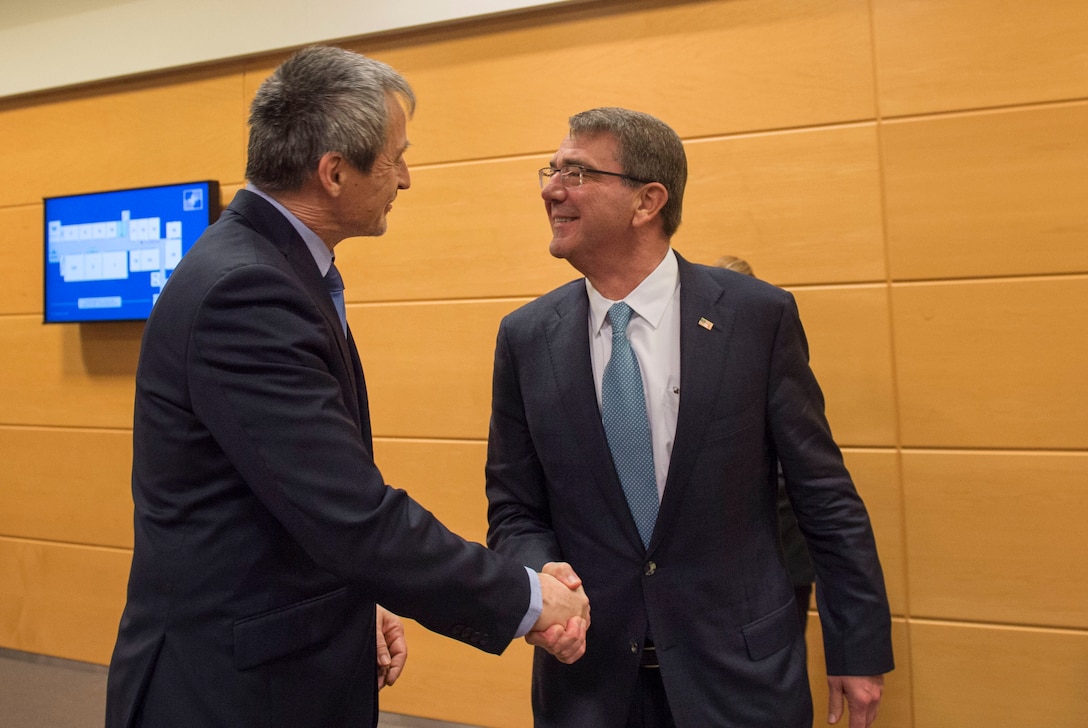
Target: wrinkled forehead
(588, 150)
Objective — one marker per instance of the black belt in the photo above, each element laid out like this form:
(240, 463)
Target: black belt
(648, 658)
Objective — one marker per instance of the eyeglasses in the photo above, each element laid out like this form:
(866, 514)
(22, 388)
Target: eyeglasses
(571, 175)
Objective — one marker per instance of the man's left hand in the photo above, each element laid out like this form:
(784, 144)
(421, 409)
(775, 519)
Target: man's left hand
(392, 647)
(863, 695)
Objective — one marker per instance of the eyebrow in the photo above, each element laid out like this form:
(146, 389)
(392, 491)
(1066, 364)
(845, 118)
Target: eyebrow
(570, 161)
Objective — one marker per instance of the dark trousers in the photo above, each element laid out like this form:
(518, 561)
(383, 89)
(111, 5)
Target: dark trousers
(650, 707)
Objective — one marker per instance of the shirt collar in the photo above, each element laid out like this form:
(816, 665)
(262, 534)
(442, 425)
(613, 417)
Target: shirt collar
(320, 252)
(649, 299)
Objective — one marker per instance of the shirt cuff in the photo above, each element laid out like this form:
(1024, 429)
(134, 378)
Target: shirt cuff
(536, 605)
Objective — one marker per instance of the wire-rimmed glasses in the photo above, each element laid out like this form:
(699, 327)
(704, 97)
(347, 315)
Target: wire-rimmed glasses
(570, 175)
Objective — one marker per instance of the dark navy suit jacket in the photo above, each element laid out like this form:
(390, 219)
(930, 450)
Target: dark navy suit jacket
(711, 588)
(264, 533)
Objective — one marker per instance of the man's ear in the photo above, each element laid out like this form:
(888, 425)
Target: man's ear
(651, 201)
(331, 169)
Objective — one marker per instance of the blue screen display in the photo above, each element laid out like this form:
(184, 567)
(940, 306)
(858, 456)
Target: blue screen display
(108, 254)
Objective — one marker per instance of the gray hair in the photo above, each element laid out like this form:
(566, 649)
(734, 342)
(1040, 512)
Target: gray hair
(648, 149)
(322, 99)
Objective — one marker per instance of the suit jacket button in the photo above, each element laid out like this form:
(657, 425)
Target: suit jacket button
(633, 646)
(651, 567)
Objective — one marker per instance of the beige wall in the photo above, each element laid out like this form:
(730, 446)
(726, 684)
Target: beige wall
(914, 171)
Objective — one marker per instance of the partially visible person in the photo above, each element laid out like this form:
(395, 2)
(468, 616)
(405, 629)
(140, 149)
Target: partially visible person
(264, 532)
(639, 415)
(798, 562)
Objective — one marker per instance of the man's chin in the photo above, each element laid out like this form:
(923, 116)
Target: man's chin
(557, 250)
(377, 231)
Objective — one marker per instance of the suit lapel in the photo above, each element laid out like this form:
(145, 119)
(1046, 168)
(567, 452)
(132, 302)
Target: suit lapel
(363, 402)
(273, 226)
(567, 335)
(703, 350)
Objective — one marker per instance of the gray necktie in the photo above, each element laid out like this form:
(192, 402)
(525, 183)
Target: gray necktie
(335, 284)
(623, 409)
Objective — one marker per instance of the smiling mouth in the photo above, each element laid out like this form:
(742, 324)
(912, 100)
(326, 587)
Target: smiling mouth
(562, 219)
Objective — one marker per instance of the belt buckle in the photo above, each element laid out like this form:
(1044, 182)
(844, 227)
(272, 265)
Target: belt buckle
(648, 658)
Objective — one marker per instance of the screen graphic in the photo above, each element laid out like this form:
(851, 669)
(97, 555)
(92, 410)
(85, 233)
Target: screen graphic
(108, 254)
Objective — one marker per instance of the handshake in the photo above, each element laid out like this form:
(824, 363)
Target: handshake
(561, 629)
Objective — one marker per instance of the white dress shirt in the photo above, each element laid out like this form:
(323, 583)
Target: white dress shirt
(654, 333)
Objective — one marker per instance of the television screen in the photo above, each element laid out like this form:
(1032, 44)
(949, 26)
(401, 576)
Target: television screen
(108, 254)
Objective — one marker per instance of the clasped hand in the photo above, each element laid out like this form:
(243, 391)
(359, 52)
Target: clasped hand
(561, 629)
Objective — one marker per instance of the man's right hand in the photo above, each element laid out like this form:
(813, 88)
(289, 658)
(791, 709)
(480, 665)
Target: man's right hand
(561, 629)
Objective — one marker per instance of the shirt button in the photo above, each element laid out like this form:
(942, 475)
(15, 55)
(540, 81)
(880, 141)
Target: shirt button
(650, 568)
(634, 647)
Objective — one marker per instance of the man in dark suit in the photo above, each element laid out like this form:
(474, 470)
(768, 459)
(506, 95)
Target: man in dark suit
(798, 562)
(694, 623)
(264, 533)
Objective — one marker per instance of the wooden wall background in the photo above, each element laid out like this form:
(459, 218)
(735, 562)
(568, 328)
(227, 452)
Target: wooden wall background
(916, 171)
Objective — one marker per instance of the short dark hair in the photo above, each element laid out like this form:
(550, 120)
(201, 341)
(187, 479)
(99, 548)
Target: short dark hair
(648, 149)
(322, 99)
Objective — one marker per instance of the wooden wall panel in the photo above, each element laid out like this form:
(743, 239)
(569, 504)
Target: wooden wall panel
(992, 194)
(451, 681)
(991, 536)
(936, 55)
(850, 351)
(705, 67)
(876, 475)
(21, 275)
(978, 675)
(66, 485)
(799, 206)
(65, 375)
(227, 193)
(446, 477)
(428, 367)
(184, 127)
(993, 364)
(874, 216)
(896, 710)
(61, 600)
(444, 242)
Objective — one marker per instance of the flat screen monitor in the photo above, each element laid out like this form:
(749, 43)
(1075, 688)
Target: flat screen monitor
(108, 254)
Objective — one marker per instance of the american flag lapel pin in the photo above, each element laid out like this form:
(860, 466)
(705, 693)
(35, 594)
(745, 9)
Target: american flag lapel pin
(708, 325)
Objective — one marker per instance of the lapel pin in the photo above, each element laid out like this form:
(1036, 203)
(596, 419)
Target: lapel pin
(708, 325)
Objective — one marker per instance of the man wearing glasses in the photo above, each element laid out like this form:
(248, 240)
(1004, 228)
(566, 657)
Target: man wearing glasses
(638, 417)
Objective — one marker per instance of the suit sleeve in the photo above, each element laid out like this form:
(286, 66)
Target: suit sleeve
(851, 597)
(519, 518)
(260, 359)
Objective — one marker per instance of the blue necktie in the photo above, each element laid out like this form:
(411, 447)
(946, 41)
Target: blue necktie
(623, 409)
(335, 284)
